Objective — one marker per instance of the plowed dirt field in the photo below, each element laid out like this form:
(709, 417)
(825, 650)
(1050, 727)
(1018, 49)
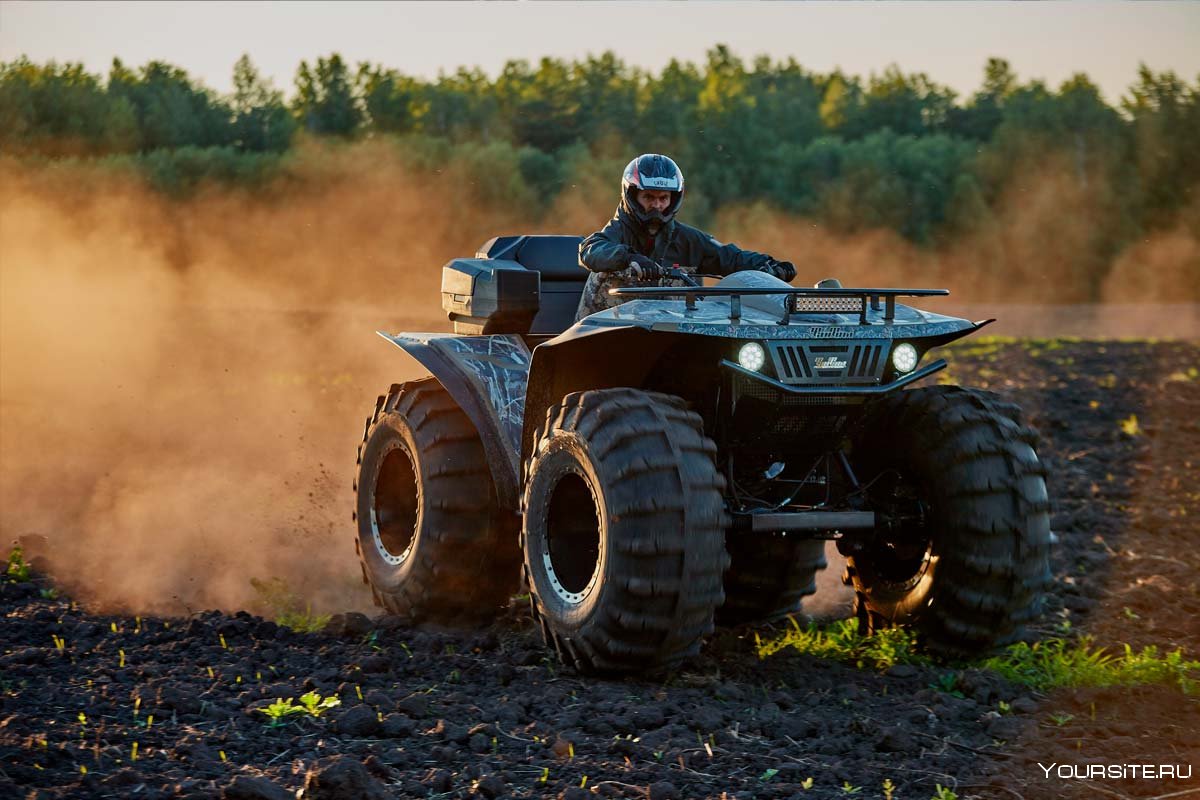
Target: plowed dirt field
(101, 706)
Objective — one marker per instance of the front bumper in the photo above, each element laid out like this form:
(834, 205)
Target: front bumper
(838, 391)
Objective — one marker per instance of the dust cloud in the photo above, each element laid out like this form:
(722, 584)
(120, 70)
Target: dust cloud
(183, 382)
(1042, 242)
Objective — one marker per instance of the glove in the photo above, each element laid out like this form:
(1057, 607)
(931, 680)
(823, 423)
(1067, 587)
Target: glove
(645, 269)
(784, 270)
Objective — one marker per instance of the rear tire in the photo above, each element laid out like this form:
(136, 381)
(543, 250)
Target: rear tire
(971, 572)
(433, 542)
(624, 531)
(769, 576)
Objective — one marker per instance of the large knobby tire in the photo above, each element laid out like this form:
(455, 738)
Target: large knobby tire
(769, 576)
(970, 571)
(433, 542)
(624, 531)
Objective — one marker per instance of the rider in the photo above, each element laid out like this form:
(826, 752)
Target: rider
(643, 240)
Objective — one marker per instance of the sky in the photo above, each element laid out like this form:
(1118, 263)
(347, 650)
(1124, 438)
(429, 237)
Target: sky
(950, 41)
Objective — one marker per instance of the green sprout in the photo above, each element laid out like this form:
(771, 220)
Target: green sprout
(18, 571)
(311, 704)
(1130, 426)
(947, 682)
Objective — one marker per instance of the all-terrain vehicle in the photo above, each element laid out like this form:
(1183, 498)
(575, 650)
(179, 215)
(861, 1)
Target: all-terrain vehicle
(679, 461)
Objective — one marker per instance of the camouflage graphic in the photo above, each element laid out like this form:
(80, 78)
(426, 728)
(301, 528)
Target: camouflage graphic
(595, 291)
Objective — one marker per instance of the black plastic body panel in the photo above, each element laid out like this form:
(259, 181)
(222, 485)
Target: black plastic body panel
(559, 302)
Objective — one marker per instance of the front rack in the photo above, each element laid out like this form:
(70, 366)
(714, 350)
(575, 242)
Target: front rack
(820, 301)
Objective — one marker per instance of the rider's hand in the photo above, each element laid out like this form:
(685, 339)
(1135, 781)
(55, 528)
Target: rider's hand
(644, 268)
(784, 270)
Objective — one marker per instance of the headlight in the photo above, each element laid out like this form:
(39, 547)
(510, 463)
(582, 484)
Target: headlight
(752, 356)
(904, 357)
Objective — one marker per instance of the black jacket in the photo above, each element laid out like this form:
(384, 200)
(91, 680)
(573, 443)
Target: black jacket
(609, 250)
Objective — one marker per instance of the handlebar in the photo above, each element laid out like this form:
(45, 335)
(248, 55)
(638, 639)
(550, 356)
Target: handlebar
(677, 274)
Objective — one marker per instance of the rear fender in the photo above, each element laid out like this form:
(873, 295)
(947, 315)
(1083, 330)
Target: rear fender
(487, 377)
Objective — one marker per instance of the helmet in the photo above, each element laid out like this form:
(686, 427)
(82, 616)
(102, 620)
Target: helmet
(651, 171)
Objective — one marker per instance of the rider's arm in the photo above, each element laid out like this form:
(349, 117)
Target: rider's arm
(604, 250)
(721, 259)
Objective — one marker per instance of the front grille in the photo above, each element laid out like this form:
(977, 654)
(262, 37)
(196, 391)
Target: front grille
(827, 362)
(763, 413)
(745, 386)
(808, 425)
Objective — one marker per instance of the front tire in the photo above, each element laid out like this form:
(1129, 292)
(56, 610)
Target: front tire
(624, 531)
(433, 542)
(769, 576)
(967, 565)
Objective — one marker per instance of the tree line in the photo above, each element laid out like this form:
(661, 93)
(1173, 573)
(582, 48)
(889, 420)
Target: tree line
(894, 150)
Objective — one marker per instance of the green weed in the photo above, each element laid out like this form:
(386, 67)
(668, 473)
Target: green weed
(285, 606)
(841, 641)
(1045, 665)
(311, 704)
(18, 571)
(1056, 663)
(303, 621)
(947, 682)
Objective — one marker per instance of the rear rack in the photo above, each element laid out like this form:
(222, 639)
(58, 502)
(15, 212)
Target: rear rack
(821, 300)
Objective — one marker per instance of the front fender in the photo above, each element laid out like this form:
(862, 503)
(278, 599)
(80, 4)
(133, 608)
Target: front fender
(586, 358)
(487, 377)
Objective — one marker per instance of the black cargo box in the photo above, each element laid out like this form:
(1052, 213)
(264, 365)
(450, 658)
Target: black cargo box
(515, 284)
(487, 295)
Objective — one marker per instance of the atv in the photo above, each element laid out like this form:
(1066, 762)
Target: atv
(679, 461)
